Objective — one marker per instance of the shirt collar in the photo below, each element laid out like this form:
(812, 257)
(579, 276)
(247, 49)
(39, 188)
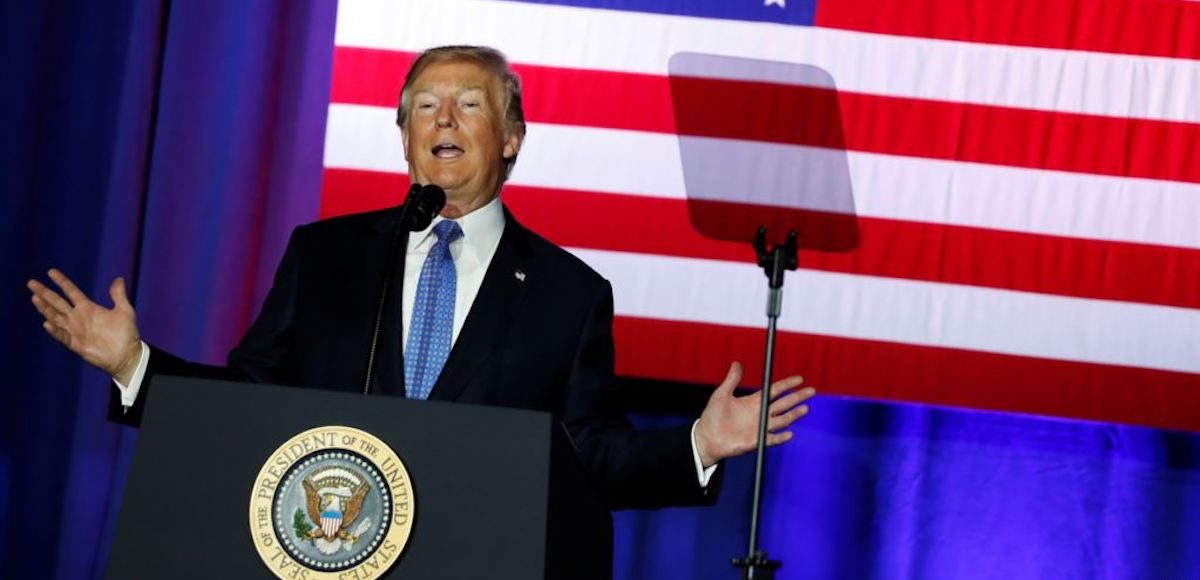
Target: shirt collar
(481, 231)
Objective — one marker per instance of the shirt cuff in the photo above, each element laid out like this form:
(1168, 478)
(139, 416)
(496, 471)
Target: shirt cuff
(703, 474)
(129, 392)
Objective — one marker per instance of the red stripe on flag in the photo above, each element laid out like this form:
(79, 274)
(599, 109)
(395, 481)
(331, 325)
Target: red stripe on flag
(365, 76)
(879, 124)
(1169, 28)
(347, 191)
(368, 76)
(891, 248)
(700, 353)
(940, 130)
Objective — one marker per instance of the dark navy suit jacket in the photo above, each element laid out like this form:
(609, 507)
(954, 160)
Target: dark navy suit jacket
(541, 340)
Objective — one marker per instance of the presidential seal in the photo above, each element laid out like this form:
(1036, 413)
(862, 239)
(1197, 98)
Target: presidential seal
(331, 503)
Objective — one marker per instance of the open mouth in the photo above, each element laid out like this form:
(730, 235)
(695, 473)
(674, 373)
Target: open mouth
(447, 151)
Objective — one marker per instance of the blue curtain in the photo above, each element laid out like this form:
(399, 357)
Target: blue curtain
(173, 143)
(871, 490)
(875, 490)
(177, 143)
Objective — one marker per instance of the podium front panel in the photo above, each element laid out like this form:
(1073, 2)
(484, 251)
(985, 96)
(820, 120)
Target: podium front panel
(479, 478)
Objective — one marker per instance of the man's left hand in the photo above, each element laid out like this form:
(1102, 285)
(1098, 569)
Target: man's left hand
(728, 426)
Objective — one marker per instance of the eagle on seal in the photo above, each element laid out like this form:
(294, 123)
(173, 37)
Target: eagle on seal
(333, 512)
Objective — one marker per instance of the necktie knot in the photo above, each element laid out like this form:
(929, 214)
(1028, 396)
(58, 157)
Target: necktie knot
(447, 231)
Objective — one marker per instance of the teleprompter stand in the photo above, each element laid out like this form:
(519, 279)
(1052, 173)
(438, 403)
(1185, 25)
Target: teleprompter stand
(774, 262)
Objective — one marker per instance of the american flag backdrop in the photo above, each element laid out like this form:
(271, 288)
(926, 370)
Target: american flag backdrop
(1026, 175)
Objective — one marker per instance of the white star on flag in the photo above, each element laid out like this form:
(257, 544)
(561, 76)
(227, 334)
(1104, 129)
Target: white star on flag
(779, 3)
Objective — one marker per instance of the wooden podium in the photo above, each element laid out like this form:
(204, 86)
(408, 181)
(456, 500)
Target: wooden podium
(497, 493)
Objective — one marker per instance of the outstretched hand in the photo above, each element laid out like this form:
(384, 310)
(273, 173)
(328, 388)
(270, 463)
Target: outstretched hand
(104, 337)
(728, 426)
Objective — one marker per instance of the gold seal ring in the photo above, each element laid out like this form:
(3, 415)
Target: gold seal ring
(332, 502)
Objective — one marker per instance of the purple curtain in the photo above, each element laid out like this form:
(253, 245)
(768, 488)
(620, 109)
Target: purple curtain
(175, 144)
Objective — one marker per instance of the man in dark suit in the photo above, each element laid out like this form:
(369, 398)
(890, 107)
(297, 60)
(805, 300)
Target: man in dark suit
(483, 310)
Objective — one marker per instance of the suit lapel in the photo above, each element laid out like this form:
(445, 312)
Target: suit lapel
(490, 317)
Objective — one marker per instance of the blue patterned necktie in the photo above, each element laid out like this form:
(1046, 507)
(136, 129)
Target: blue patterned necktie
(433, 315)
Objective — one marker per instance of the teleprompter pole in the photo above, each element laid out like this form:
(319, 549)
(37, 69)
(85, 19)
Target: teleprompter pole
(774, 262)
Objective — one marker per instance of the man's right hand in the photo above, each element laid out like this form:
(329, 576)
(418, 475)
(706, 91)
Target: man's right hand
(105, 337)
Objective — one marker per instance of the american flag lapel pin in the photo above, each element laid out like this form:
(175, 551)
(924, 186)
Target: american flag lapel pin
(519, 275)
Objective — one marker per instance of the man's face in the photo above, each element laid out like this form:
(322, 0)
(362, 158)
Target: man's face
(455, 136)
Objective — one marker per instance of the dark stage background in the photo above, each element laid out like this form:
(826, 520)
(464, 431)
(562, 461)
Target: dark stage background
(177, 143)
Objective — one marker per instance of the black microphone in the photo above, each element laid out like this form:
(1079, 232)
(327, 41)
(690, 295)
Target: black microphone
(423, 203)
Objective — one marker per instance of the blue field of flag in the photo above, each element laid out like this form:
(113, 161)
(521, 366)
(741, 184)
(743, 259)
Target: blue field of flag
(797, 12)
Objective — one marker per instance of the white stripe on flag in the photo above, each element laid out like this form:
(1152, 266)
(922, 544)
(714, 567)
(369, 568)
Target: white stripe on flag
(1010, 76)
(885, 186)
(905, 311)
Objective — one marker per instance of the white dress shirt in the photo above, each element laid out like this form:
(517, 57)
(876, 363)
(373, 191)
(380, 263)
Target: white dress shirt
(472, 253)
